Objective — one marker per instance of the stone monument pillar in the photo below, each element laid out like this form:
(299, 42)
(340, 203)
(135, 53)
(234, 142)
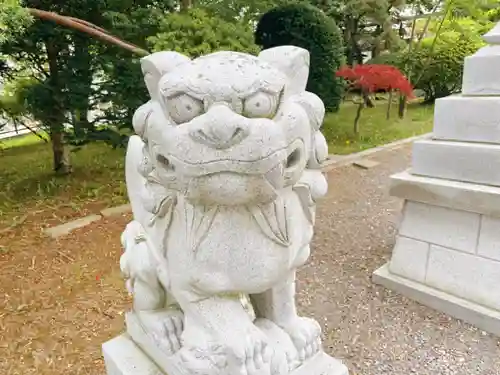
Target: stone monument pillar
(447, 252)
(223, 178)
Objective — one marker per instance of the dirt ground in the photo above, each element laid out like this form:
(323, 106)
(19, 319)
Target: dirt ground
(63, 299)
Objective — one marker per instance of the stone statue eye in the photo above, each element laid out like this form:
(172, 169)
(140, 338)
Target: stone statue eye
(183, 108)
(261, 105)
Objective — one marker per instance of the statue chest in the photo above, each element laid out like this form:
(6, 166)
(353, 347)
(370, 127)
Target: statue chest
(227, 249)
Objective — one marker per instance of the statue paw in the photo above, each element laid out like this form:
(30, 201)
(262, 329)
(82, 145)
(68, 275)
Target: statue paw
(164, 327)
(205, 360)
(306, 336)
(254, 356)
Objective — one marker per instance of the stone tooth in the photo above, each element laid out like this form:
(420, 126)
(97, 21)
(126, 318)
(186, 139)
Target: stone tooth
(275, 175)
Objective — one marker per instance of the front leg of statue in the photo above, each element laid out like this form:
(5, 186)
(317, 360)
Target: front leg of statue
(278, 305)
(222, 322)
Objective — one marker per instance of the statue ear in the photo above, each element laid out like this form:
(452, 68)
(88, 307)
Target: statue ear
(294, 62)
(154, 66)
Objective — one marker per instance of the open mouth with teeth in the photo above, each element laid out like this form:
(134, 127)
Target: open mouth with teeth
(234, 182)
(293, 159)
(279, 164)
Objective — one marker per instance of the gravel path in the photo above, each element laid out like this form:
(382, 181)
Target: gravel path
(374, 330)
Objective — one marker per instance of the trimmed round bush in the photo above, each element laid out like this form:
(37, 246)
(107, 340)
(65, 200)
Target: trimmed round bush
(306, 26)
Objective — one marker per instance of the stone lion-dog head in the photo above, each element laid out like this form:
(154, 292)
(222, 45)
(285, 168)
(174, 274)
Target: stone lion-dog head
(230, 128)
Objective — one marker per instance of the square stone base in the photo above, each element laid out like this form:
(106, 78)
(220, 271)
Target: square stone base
(123, 357)
(482, 317)
(447, 249)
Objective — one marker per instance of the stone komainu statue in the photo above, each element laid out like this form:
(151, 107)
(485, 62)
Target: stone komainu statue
(223, 176)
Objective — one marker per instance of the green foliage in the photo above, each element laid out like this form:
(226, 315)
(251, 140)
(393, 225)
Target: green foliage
(243, 11)
(369, 25)
(14, 104)
(437, 63)
(454, 27)
(393, 59)
(78, 74)
(475, 9)
(249, 12)
(493, 14)
(121, 88)
(12, 98)
(308, 27)
(196, 33)
(13, 19)
(439, 72)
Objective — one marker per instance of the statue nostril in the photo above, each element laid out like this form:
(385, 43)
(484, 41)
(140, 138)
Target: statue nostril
(237, 132)
(220, 137)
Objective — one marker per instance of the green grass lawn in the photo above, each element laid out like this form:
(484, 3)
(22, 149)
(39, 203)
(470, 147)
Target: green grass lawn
(27, 183)
(375, 129)
(24, 140)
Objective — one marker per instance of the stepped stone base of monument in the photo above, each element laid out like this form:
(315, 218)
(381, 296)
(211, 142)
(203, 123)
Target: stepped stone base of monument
(482, 317)
(447, 251)
(123, 357)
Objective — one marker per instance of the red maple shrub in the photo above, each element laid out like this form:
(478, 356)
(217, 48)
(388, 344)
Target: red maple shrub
(376, 77)
(371, 78)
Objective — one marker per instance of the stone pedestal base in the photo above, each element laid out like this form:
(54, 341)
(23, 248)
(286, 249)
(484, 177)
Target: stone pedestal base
(482, 317)
(123, 357)
(447, 251)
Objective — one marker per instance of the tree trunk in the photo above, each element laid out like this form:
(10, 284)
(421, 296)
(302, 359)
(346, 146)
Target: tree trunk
(62, 163)
(367, 100)
(82, 88)
(186, 4)
(354, 53)
(376, 48)
(402, 107)
(358, 54)
(389, 106)
(348, 35)
(358, 116)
